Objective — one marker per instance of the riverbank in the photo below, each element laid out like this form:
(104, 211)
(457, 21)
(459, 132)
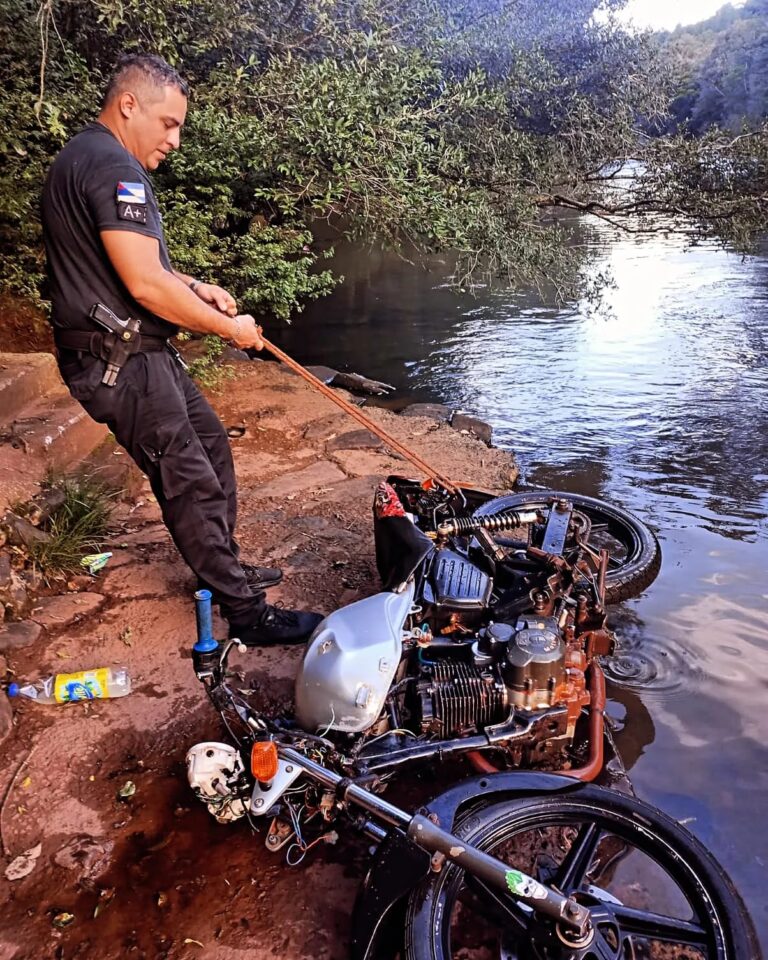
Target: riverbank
(154, 875)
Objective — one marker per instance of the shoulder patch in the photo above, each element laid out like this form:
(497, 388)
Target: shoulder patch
(135, 212)
(131, 193)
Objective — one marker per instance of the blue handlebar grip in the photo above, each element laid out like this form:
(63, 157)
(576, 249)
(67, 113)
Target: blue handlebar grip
(204, 614)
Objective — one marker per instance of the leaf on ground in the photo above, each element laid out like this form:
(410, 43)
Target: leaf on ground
(63, 919)
(24, 864)
(127, 790)
(106, 896)
(26, 783)
(190, 940)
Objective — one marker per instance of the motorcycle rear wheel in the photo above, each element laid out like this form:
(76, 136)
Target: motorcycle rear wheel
(583, 843)
(635, 554)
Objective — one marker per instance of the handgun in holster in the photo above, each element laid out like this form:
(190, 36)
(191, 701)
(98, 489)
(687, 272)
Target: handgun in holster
(123, 339)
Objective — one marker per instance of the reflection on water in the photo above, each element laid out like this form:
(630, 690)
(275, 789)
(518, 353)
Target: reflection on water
(657, 398)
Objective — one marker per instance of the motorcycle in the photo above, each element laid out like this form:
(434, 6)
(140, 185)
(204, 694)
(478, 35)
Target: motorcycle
(485, 643)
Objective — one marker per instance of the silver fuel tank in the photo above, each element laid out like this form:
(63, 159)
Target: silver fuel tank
(350, 663)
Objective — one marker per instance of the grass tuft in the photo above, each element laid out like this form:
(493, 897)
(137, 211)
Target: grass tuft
(76, 528)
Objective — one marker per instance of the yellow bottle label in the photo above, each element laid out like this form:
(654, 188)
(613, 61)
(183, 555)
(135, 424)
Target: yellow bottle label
(85, 685)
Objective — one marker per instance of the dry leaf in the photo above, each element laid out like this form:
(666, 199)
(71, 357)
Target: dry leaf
(127, 790)
(190, 940)
(26, 783)
(63, 919)
(106, 896)
(23, 864)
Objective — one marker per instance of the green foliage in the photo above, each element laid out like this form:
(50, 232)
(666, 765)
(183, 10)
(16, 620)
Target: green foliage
(76, 528)
(439, 124)
(207, 368)
(721, 69)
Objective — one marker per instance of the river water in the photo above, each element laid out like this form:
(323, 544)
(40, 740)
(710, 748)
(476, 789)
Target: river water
(656, 398)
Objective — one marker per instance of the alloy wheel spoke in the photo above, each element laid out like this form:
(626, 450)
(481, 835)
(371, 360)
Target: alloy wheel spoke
(577, 861)
(656, 926)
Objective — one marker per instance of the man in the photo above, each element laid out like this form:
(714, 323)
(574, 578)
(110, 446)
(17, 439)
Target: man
(105, 245)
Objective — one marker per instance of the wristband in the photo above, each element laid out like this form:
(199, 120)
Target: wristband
(194, 284)
(237, 329)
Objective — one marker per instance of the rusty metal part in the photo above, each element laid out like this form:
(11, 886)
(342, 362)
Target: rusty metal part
(594, 764)
(480, 763)
(550, 559)
(598, 643)
(356, 414)
(455, 625)
(601, 575)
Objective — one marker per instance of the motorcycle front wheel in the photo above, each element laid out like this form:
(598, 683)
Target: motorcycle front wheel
(633, 550)
(655, 891)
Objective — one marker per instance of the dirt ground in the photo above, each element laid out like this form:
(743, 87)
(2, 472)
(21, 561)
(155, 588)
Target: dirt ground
(154, 876)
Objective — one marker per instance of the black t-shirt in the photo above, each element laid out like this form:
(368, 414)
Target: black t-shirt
(95, 184)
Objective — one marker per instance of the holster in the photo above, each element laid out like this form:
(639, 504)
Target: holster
(121, 341)
(115, 343)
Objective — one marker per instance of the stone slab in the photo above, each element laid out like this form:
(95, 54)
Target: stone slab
(326, 427)
(15, 636)
(355, 440)
(364, 463)
(23, 378)
(53, 612)
(6, 717)
(473, 426)
(435, 411)
(320, 474)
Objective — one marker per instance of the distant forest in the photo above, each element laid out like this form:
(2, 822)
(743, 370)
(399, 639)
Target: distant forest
(720, 66)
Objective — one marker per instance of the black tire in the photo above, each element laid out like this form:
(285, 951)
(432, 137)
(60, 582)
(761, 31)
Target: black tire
(716, 906)
(636, 567)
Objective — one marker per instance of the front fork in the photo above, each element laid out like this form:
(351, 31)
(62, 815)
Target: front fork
(429, 836)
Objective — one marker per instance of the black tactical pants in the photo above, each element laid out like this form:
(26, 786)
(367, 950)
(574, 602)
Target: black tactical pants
(165, 423)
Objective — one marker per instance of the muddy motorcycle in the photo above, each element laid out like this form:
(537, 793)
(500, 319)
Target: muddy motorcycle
(484, 644)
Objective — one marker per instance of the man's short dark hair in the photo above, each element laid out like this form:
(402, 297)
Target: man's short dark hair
(146, 70)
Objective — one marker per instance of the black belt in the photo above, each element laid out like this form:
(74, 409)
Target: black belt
(84, 342)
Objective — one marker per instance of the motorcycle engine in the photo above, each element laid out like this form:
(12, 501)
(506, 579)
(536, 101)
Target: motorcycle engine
(464, 688)
(521, 665)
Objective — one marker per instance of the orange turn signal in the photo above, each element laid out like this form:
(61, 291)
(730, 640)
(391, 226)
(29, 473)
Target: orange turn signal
(264, 764)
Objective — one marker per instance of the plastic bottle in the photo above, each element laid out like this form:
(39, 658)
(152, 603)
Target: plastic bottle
(85, 685)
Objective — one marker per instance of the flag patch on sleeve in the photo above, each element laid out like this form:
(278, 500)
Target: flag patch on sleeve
(131, 192)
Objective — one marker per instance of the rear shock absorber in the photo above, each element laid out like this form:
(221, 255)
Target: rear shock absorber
(502, 521)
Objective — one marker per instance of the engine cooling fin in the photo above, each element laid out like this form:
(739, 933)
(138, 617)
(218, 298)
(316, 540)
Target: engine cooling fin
(464, 698)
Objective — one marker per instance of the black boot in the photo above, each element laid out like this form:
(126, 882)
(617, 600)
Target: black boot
(277, 625)
(261, 578)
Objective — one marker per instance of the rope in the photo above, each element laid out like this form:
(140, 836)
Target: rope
(358, 415)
